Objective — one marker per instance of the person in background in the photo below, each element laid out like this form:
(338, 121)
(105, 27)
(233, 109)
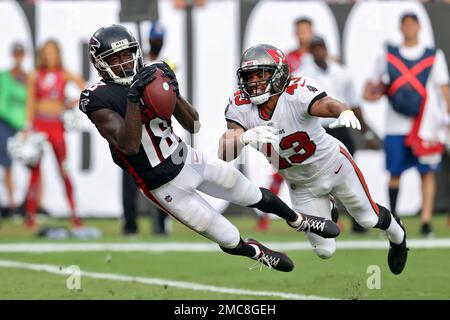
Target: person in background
(13, 96)
(304, 33)
(415, 79)
(45, 104)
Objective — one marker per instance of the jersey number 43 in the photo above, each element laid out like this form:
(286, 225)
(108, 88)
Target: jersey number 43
(297, 146)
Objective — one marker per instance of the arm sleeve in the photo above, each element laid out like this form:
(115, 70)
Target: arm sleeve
(233, 115)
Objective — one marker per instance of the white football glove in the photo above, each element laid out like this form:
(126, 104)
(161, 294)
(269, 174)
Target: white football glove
(257, 136)
(346, 119)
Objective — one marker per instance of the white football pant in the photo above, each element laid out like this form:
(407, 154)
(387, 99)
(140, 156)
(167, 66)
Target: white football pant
(214, 177)
(344, 180)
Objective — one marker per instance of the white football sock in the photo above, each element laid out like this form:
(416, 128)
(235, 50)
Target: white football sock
(297, 222)
(395, 232)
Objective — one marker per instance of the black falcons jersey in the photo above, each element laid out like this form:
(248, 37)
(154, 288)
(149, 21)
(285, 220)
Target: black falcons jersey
(161, 153)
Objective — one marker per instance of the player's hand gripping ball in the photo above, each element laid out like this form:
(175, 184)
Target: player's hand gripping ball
(160, 95)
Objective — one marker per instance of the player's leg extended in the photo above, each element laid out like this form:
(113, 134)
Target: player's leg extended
(222, 180)
(352, 190)
(305, 202)
(180, 199)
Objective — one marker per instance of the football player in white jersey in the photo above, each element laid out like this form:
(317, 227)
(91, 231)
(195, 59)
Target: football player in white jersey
(279, 115)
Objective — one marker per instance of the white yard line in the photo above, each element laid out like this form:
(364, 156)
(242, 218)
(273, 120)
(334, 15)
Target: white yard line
(206, 247)
(157, 281)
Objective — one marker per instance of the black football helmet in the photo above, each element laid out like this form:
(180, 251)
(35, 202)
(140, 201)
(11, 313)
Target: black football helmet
(109, 40)
(265, 58)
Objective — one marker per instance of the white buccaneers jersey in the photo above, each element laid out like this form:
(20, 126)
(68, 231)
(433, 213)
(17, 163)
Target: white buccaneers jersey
(304, 148)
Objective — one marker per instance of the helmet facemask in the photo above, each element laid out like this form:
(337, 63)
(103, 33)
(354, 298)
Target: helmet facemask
(258, 91)
(127, 74)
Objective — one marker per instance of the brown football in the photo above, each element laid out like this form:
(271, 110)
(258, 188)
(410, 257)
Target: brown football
(159, 96)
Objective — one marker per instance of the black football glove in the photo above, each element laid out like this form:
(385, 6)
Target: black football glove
(168, 72)
(144, 76)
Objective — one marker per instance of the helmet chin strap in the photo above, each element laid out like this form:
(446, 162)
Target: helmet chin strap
(129, 73)
(262, 98)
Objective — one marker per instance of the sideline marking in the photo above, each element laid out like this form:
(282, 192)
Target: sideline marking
(157, 281)
(207, 247)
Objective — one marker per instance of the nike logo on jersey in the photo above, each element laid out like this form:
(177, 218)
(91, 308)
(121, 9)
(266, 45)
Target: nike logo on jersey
(86, 93)
(339, 169)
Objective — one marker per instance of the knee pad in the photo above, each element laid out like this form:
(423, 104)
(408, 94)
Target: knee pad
(224, 174)
(367, 222)
(324, 248)
(224, 233)
(246, 193)
(209, 223)
(195, 215)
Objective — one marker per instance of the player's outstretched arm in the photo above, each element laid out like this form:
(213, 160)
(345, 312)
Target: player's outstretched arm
(229, 144)
(121, 133)
(186, 115)
(328, 107)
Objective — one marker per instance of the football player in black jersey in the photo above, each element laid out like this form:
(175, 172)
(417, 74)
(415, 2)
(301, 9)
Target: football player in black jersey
(168, 171)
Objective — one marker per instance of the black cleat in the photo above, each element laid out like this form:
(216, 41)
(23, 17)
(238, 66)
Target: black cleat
(426, 230)
(398, 254)
(318, 225)
(273, 259)
(334, 210)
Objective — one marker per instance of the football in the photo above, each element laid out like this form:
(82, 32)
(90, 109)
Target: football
(159, 96)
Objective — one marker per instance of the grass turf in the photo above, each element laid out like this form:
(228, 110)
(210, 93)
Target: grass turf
(344, 276)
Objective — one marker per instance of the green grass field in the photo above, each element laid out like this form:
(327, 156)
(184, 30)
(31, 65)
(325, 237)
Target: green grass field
(344, 276)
